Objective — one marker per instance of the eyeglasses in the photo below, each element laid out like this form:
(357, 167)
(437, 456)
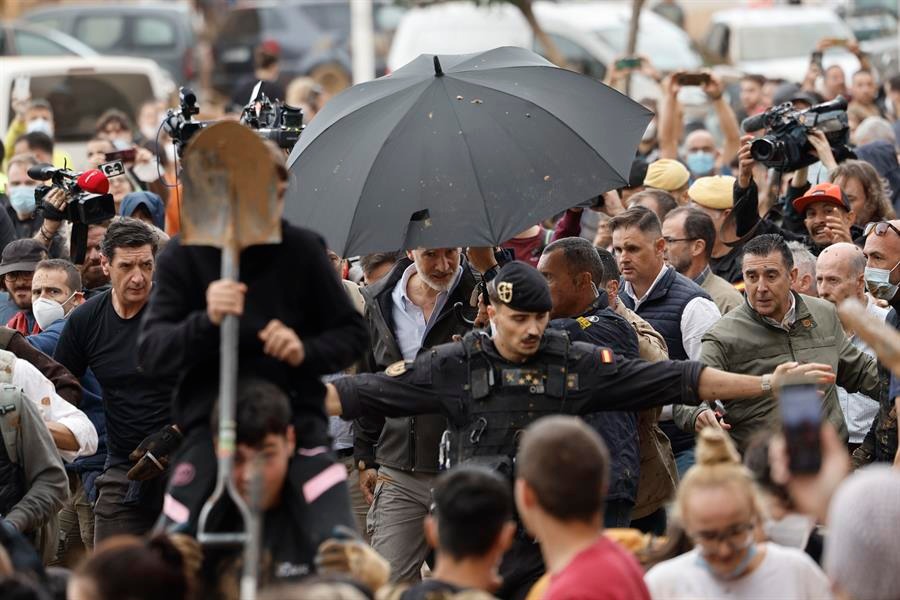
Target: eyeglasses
(669, 240)
(880, 228)
(736, 537)
(18, 275)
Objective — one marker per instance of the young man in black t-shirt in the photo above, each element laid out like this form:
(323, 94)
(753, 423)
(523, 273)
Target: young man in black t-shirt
(102, 335)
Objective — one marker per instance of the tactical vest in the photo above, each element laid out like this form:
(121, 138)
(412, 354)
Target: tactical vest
(503, 399)
(12, 475)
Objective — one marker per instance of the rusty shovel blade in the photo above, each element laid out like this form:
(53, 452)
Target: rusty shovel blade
(230, 198)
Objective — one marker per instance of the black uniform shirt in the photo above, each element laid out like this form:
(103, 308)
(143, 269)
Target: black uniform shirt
(602, 381)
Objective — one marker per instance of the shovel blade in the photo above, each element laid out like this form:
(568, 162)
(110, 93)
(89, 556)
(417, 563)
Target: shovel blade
(230, 198)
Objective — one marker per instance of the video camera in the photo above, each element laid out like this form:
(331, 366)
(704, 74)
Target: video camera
(88, 201)
(180, 124)
(274, 121)
(785, 146)
(88, 198)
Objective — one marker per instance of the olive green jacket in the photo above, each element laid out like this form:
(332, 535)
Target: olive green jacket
(743, 342)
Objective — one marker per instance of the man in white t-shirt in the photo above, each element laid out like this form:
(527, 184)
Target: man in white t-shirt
(72, 432)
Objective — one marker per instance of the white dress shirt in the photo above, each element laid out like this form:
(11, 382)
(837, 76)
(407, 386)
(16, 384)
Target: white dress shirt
(860, 410)
(410, 326)
(53, 407)
(698, 316)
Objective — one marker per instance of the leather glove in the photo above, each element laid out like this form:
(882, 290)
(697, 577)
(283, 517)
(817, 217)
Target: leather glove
(154, 453)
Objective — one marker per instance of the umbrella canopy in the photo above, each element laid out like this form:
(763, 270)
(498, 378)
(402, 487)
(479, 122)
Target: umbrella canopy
(459, 150)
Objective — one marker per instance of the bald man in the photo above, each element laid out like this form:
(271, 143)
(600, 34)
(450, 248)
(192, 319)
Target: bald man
(840, 274)
(882, 274)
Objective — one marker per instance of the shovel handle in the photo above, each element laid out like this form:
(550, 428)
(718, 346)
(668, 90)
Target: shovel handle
(225, 448)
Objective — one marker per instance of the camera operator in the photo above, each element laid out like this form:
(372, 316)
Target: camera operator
(297, 324)
(827, 214)
(21, 208)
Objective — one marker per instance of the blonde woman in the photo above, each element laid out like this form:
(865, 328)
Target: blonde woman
(718, 505)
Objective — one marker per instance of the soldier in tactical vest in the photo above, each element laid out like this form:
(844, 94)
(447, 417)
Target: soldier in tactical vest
(491, 388)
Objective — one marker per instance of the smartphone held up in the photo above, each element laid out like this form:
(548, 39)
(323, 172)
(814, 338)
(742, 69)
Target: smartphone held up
(801, 415)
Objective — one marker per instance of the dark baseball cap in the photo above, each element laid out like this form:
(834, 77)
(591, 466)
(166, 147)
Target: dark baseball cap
(22, 255)
(520, 286)
(823, 192)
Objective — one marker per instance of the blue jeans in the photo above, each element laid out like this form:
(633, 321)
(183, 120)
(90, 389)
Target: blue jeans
(684, 460)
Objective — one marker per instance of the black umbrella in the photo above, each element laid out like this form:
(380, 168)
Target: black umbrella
(459, 150)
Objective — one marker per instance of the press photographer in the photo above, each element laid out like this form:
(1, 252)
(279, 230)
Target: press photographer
(786, 145)
(81, 199)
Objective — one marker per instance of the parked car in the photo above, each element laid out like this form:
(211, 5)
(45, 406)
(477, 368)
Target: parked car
(875, 27)
(25, 39)
(314, 37)
(162, 31)
(777, 42)
(80, 90)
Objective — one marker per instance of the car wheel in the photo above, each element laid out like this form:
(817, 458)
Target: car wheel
(332, 77)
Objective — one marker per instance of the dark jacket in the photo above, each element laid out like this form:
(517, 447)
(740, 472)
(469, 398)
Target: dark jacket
(663, 310)
(293, 282)
(601, 326)
(880, 444)
(407, 443)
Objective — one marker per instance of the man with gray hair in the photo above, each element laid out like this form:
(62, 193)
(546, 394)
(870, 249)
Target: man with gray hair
(840, 274)
(805, 262)
(874, 129)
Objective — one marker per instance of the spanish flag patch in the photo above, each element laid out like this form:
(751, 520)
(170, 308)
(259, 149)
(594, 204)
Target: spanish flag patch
(606, 356)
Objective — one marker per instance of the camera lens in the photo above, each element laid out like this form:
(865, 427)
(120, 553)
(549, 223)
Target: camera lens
(762, 149)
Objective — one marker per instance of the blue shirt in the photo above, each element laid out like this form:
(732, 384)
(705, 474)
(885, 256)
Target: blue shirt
(410, 327)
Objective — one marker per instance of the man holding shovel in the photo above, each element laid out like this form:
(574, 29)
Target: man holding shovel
(296, 324)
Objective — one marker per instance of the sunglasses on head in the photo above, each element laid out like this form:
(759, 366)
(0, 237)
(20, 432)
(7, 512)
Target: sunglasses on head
(880, 228)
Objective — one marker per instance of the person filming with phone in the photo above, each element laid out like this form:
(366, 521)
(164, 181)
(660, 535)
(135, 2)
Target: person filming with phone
(700, 151)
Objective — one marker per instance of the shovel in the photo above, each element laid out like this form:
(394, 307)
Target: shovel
(230, 203)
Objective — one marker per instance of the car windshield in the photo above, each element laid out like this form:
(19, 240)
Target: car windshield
(668, 49)
(784, 41)
(78, 99)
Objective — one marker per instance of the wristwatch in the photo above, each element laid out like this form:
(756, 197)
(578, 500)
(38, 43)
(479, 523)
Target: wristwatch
(766, 383)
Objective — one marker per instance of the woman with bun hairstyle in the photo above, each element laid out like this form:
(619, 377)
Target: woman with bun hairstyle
(719, 507)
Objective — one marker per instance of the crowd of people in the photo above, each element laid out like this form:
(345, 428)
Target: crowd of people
(590, 410)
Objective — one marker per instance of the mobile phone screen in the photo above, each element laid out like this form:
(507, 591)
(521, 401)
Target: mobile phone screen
(801, 414)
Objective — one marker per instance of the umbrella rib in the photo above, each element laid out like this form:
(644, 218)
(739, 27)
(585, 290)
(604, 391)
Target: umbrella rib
(487, 215)
(569, 127)
(352, 112)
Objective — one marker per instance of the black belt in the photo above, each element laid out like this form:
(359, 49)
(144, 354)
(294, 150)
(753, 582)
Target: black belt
(344, 452)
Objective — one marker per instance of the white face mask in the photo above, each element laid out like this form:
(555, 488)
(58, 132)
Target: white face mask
(40, 125)
(879, 282)
(47, 312)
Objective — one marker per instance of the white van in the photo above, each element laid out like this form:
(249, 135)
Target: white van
(589, 34)
(82, 89)
(777, 42)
